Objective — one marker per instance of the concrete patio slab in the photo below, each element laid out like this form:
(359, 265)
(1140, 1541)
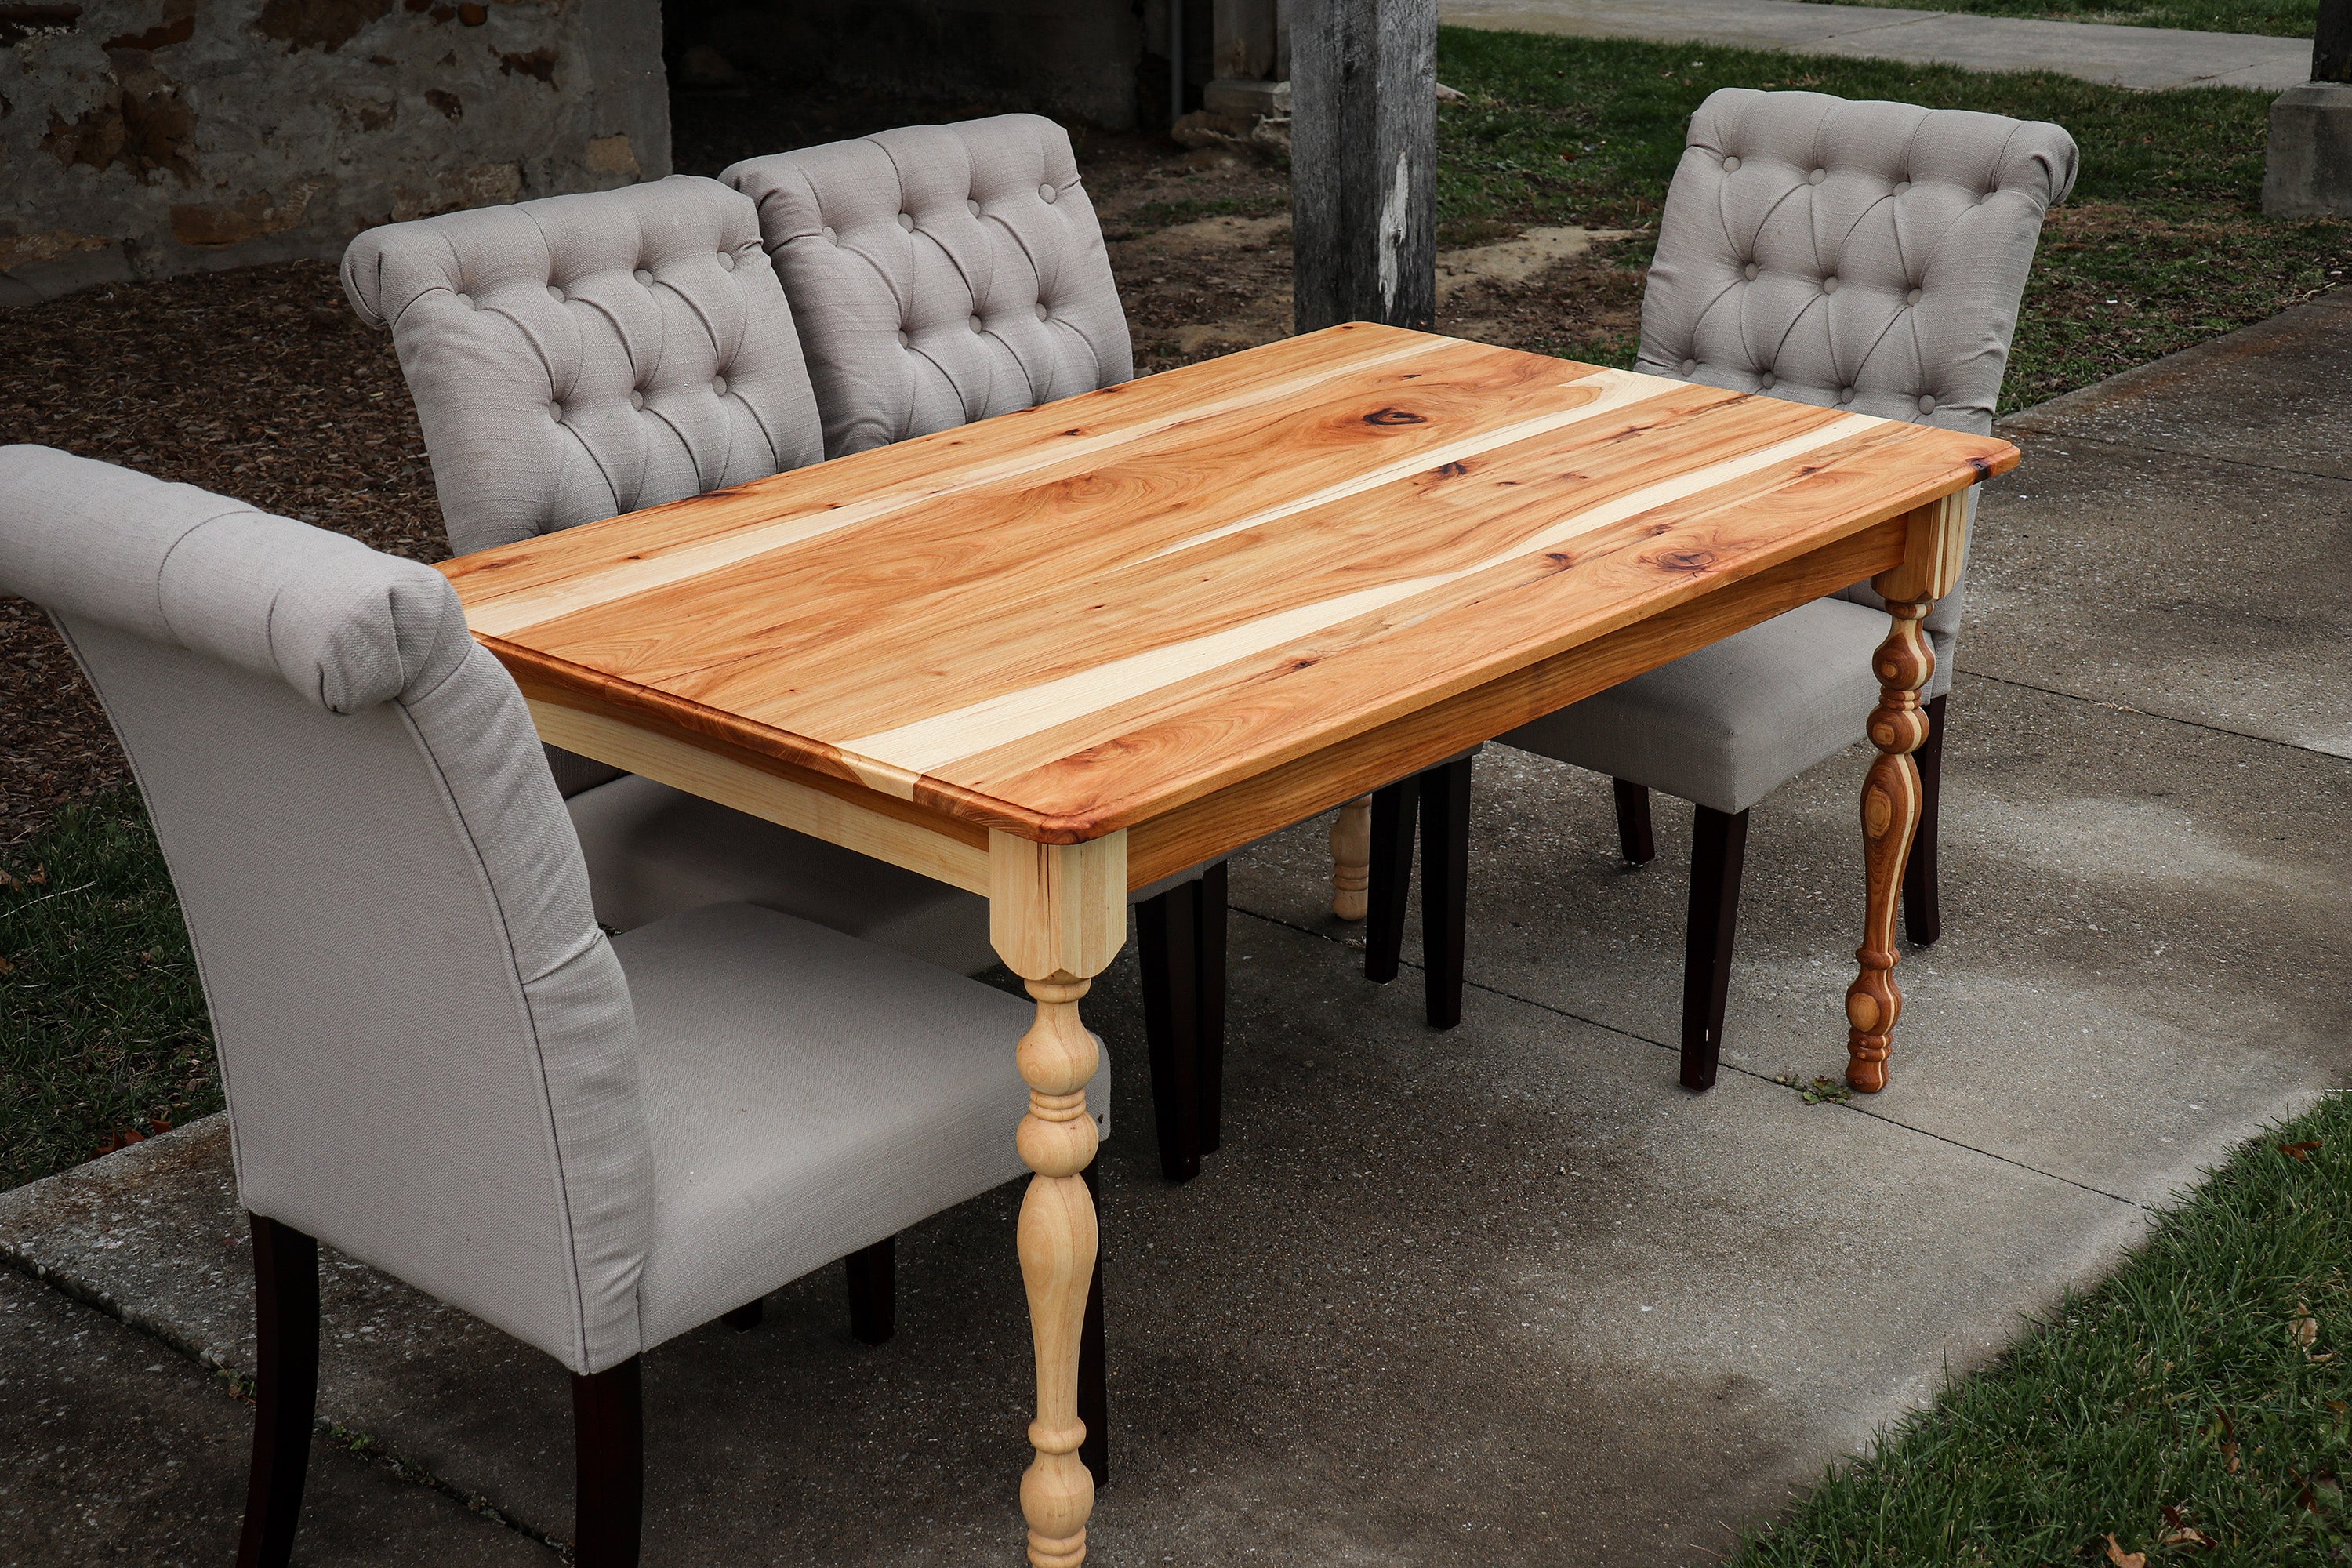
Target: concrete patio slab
(2144, 58)
(1542, 1304)
(120, 1451)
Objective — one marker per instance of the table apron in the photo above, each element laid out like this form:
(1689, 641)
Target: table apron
(930, 844)
(1242, 812)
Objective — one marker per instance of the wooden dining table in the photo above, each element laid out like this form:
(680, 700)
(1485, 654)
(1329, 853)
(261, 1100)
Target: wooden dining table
(1059, 654)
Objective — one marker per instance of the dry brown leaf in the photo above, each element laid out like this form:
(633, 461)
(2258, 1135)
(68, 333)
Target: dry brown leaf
(2187, 1536)
(2122, 1559)
(2230, 1458)
(40, 876)
(5, 967)
(2300, 1151)
(6, 881)
(2307, 1327)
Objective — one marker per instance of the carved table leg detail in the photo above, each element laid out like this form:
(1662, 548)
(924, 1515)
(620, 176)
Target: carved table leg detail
(1058, 1136)
(1351, 859)
(1890, 816)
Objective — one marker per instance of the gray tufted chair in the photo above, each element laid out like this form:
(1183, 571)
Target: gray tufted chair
(435, 1059)
(940, 273)
(1861, 255)
(587, 355)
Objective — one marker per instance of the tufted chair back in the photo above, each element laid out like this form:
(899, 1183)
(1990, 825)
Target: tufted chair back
(422, 1031)
(587, 355)
(940, 274)
(1864, 256)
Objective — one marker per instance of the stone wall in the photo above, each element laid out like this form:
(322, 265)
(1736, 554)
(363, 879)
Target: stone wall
(146, 138)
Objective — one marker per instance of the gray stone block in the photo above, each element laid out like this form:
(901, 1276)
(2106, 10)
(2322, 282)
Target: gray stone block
(1242, 100)
(2309, 171)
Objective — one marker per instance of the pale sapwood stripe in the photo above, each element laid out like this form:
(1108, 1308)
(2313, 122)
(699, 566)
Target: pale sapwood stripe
(931, 743)
(1619, 389)
(504, 618)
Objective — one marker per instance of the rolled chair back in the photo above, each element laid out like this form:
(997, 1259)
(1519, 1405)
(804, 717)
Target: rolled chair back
(427, 1047)
(1852, 254)
(582, 356)
(940, 273)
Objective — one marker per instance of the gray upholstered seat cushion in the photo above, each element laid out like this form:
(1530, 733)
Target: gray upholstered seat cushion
(940, 273)
(1865, 256)
(808, 1095)
(587, 355)
(1731, 723)
(654, 851)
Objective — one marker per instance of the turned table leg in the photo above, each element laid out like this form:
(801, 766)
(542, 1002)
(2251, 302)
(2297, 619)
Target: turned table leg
(1890, 816)
(1351, 859)
(1057, 915)
(1891, 795)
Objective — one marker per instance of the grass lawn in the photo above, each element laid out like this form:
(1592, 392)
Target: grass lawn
(2162, 244)
(2279, 18)
(102, 1027)
(2197, 1407)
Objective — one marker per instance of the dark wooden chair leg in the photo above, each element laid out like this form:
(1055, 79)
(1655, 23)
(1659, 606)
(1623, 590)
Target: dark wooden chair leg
(1923, 906)
(1169, 929)
(1394, 810)
(1209, 1006)
(873, 1273)
(745, 1317)
(1718, 851)
(1094, 1372)
(1444, 886)
(608, 1429)
(286, 1390)
(1635, 842)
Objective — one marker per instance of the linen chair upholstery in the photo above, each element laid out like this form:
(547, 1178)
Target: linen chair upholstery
(1867, 255)
(435, 1059)
(940, 273)
(585, 355)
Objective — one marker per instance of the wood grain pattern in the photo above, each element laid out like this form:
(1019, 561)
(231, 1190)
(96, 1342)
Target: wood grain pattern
(1891, 798)
(1351, 859)
(1058, 916)
(1080, 618)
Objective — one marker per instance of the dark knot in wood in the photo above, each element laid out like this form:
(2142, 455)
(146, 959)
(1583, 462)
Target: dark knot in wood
(1379, 416)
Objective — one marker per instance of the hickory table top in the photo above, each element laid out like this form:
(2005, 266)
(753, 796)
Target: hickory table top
(1065, 621)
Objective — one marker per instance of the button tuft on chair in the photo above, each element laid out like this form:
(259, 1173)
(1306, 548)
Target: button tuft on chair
(1817, 176)
(1042, 311)
(554, 293)
(466, 300)
(904, 340)
(1846, 395)
(1901, 187)
(1750, 271)
(1926, 406)
(1046, 193)
(1767, 381)
(1912, 298)
(907, 222)
(726, 259)
(1730, 165)
(636, 400)
(719, 385)
(972, 207)
(644, 277)
(1829, 284)
(973, 322)
(831, 237)
(554, 410)
(1689, 365)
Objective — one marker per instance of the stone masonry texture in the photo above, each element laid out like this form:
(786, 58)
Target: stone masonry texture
(147, 138)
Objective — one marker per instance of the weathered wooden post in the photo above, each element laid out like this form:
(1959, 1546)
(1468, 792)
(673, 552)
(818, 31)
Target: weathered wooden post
(1363, 220)
(1363, 161)
(2309, 170)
